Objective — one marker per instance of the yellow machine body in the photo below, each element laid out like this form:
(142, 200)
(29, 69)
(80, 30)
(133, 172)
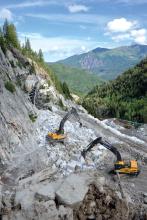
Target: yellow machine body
(55, 136)
(127, 168)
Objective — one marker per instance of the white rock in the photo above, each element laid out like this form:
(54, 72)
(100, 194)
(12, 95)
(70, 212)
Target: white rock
(73, 189)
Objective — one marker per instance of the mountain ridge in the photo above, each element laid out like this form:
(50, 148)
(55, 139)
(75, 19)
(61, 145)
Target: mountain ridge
(108, 63)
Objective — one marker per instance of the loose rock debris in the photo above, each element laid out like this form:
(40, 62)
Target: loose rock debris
(105, 204)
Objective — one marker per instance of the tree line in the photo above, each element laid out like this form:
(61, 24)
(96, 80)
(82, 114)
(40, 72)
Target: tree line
(125, 97)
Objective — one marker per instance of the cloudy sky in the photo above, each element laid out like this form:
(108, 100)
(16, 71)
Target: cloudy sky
(62, 28)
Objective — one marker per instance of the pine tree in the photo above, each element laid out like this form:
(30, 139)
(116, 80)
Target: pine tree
(5, 27)
(9, 32)
(27, 45)
(40, 56)
(66, 90)
(2, 42)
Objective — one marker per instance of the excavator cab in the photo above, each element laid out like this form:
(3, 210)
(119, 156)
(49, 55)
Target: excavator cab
(55, 136)
(58, 135)
(120, 166)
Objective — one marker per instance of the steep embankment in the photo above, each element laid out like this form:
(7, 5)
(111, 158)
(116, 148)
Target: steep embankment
(124, 97)
(40, 180)
(79, 81)
(108, 63)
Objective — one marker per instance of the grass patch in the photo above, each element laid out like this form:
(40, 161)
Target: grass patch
(10, 86)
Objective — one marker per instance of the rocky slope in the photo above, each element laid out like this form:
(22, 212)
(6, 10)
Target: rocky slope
(108, 63)
(39, 180)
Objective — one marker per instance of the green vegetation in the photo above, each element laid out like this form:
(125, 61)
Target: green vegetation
(32, 117)
(66, 91)
(80, 81)
(125, 97)
(60, 103)
(8, 39)
(108, 63)
(10, 35)
(10, 86)
(2, 42)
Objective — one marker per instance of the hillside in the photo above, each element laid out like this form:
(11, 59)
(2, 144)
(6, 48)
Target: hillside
(108, 63)
(79, 81)
(41, 180)
(125, 97)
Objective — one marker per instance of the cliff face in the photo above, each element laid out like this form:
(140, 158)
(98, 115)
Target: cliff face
(17, 130)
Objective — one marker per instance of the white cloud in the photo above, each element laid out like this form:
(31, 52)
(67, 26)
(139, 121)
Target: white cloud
(124, 30)
(121, 37)
(32, 3)
(120, 25)
(132, 2)
(139, 36)
(6, 14)
(56, 48)
(77, 8)
(72, 18)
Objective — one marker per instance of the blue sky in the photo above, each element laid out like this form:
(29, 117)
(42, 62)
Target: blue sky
(62, 28)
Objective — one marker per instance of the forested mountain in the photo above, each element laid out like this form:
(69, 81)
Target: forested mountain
(79, 81)
(125, 97)
(108, 63)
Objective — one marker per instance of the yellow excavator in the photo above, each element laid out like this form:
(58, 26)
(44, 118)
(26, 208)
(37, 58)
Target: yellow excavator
(58, 135)
(120, 166)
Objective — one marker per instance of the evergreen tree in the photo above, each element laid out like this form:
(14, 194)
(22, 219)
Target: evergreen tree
(27, 45)
(66, 90)
(9, 32)
(40, 56)
(2, 42)
(5, 27)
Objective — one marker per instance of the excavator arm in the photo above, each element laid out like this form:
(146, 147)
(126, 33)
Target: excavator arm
(105, 144)
(73, 111)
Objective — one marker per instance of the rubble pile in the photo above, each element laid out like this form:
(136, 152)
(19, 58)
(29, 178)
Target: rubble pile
(103, 204)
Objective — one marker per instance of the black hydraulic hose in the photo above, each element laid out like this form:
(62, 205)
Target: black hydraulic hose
(112, 149)
(105, 144)
(66, 117)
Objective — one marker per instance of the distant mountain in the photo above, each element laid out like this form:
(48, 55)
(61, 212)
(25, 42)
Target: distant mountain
(125, 97)
(108, 63)
(79, 81)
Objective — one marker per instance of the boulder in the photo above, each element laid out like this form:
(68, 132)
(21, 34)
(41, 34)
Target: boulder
(30, 82)
(73, 189)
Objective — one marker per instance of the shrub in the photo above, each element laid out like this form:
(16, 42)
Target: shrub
(62, 106)
(10, 86)
(32, 117)
(12, 63)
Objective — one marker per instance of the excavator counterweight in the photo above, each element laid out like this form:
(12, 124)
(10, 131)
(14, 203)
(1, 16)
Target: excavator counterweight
(120, 166)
